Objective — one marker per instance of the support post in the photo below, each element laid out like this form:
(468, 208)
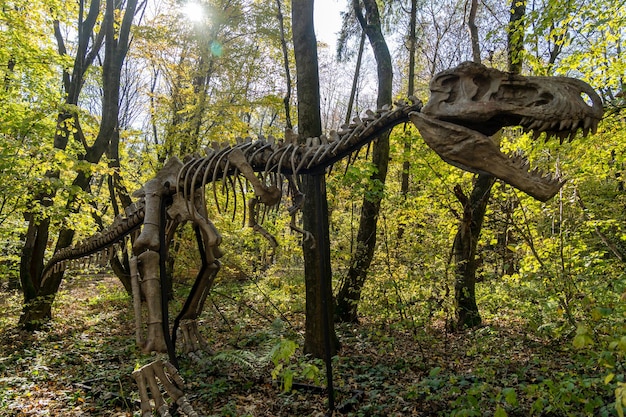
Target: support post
(171, 349)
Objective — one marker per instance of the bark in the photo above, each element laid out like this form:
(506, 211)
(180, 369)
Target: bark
(473, 30)
(283, 44)
(37, 311)
(515, 35)
(406, 165)
(355, 79)
(349, 294)
(317, 271)
(464, 250)
(468, 233)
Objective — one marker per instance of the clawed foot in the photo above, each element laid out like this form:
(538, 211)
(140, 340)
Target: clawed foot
(298, 202)
(307, 237)
(194, 344)
(149, 376)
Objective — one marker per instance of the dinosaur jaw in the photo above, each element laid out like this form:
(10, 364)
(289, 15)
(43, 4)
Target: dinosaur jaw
(475, 152)
(471, 102)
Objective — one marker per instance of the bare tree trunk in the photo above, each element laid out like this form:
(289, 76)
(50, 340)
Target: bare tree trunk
(349, 294)
(473, 30)
(470, 226)
(406, 165)
(316, 259)
(355, 79)
(464, 250)
(283, 44)
(474, 207)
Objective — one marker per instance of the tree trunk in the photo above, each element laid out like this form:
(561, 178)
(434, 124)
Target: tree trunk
(515, 35)
(406, 165)
(466, 240)
(464, 250)
(283, 44)
(36, 239)
(349, 294)
(317, 271)
(473, 30)
(38, 310)
(355, 79)
(468, 233)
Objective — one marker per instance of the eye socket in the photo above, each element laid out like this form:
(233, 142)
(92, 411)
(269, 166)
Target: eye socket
(585, 97)
(483, 85)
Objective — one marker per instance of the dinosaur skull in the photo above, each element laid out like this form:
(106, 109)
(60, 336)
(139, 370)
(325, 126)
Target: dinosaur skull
(470, 102)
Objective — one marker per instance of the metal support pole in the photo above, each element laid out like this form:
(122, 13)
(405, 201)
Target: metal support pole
(171, 349)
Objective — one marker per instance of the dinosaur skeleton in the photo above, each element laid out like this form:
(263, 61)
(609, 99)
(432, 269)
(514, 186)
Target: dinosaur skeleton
(467, 104)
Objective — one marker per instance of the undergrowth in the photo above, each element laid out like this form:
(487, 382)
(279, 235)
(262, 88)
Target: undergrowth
(398, 365)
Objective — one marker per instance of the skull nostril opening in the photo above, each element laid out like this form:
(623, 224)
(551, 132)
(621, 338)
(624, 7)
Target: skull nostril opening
(543, 99)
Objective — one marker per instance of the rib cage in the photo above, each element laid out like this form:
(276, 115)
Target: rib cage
(265, 156)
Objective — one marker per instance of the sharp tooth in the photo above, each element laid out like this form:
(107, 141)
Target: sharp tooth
(587, 124)
(545, 126)
(571, 135)
(594, 128)
(536, 134)
(585, 132)
(535, 125)
(565, 124)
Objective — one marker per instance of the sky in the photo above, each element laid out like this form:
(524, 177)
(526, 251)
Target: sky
(327, 20)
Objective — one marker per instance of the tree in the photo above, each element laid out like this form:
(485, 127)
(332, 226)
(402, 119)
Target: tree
(475, 206)
(350, 292)
(28, 97)
(470, 225)
(316, 259)
(39, 294)
(411, 48)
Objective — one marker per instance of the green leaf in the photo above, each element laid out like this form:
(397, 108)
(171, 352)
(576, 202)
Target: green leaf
(582, 338)
(287, 380)
(510, 396)
(500, 412)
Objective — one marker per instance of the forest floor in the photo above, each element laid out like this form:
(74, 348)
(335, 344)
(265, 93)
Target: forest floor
(81, 365)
